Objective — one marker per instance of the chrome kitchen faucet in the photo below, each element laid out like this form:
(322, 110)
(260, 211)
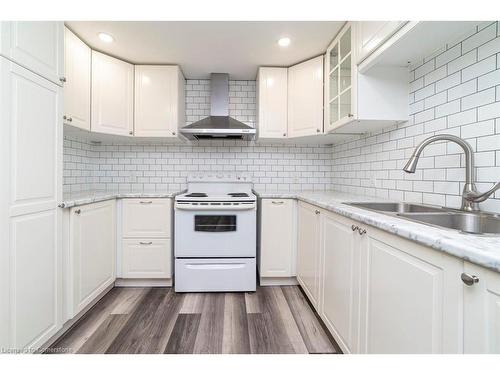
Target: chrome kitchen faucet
(470, 195)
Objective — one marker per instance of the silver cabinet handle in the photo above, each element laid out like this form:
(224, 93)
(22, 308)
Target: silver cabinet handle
(469, 279)
(78, 212)
(350, 115)
(277, 202)
(317, 130)
(146, 243)
(146, 202)
(354, 228)
(317, 212)
(62, 79)
(361, 231)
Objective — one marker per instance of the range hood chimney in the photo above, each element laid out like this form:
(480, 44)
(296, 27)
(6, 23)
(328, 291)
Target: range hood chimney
(218, 124)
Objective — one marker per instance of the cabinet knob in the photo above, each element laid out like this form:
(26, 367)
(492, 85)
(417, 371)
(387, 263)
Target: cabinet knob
(62, 79)
(173, 133)
(317, 212)
(78, 212)
(354, 227)
(469, 279)
(70, 119)
(284, 134)
(317, 130)
(65, 117)
(350, 115)
(131, 132)
(361, 231)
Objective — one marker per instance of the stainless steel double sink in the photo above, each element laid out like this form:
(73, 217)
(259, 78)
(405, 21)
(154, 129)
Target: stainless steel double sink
(468, 222)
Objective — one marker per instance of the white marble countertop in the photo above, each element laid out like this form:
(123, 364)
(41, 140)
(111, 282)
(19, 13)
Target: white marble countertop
(92, 196)
(478, 249)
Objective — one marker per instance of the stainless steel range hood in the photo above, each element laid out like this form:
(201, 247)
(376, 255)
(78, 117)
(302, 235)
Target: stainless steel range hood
(218, 124)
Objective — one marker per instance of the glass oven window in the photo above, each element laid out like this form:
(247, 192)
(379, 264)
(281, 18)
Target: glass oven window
(215, 223)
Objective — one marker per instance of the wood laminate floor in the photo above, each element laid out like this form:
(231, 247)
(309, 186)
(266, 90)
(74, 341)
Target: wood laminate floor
(158, 320)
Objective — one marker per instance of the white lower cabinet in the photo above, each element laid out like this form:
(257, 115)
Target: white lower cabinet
(308, 250)
(340, 263)
(92, 252)
(379, 293)
(146, 251)
(482, 310)
(411, 297)
(277, 238)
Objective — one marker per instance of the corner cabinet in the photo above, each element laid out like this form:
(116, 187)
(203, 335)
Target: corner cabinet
(112, 95)
(92, 254)
(356, 103)
(77, 64)
(159, 109)
(308, 251)
(272, 97)
(305, 98)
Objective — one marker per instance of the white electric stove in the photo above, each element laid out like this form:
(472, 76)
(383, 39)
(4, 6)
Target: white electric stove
(216, 235)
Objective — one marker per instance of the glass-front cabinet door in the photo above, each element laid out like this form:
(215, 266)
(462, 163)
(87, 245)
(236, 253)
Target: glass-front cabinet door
(339, 81)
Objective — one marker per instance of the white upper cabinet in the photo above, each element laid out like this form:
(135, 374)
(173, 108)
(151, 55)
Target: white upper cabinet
(372, 34)
(272, 99)
(481, 310)
(35, 45)
(357, 103)
(305, 98)
(77, 64)
(159, 101)
(112, 95)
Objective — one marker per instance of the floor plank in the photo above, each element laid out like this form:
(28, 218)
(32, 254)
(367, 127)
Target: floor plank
(260, 337)
(184, 333)
(135, 334)
(289, 323)
(193, 303)
(76, 337)
(211, 329)
(235, 338)
(102, 338)
(252, 302)
(313, 334)
(128, 299)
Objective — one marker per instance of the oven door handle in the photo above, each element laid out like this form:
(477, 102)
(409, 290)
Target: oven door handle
(215, 266)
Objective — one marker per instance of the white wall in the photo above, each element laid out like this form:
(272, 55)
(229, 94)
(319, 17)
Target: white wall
(455, 91)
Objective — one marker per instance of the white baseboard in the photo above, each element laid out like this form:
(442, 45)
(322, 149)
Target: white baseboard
(277, 281)
(143, 282)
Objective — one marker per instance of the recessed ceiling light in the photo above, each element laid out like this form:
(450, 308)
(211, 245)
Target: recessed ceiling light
(105, 37)
(284, 42)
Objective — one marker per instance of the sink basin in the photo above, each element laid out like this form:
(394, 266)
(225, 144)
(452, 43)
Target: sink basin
(464, 222)
(396, 207)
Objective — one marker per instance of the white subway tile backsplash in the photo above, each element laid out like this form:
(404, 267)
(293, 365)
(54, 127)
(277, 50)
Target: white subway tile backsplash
(471, 111)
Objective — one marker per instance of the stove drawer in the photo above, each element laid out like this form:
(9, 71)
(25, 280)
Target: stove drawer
(215, 275)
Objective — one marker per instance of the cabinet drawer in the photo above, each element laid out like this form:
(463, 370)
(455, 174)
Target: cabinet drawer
(146, 217)
(146, 258)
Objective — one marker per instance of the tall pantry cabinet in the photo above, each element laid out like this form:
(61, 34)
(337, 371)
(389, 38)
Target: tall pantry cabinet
(31, 64)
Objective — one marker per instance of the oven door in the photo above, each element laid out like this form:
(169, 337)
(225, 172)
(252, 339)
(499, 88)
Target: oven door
(215, 233)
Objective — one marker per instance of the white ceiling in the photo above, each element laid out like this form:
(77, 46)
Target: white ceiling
(201, 48)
